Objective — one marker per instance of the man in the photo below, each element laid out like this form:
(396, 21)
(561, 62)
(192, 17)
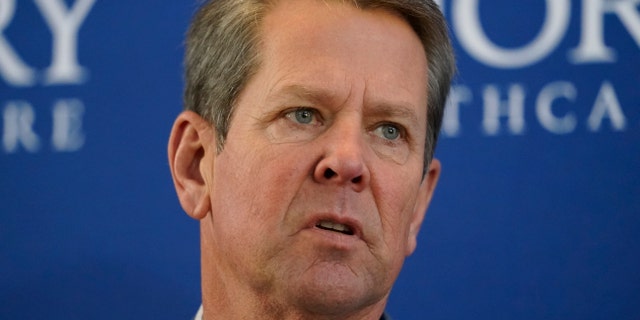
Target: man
(306, 151)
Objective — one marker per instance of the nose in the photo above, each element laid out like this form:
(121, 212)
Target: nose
(343, 160)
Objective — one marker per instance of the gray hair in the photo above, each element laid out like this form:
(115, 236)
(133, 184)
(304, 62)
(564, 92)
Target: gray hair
(222, 54)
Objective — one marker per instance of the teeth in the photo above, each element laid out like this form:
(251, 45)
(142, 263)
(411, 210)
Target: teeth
(328, 225)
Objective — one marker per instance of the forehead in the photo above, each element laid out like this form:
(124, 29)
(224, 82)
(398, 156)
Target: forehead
(332, 44)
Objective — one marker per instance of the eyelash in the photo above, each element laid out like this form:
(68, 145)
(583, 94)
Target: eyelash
(401, 131)
(291, 114)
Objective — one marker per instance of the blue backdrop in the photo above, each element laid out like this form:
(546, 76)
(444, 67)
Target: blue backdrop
(537, 215)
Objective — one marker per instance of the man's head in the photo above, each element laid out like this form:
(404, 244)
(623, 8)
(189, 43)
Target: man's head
(223, 52)
(304, 159)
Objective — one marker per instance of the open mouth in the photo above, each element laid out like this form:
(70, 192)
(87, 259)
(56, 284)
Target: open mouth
(335, 227)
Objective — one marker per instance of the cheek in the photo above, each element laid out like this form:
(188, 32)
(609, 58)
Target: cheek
(257, 187)
(396, 198)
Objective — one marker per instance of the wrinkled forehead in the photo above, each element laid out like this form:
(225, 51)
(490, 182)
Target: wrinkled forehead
(316, 44)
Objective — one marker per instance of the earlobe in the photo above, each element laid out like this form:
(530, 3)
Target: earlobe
(190, 143)
(427, 187)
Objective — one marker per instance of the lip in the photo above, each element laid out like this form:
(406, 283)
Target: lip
(335, 236)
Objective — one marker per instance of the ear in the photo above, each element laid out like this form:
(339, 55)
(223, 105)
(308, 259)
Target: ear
(425, 193)
(191, 141)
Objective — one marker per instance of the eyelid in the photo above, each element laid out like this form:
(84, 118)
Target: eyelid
(402, 130)
(291, 113)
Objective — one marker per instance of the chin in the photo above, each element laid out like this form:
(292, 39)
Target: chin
(336, 292)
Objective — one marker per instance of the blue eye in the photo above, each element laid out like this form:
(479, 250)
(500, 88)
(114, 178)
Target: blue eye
(302, 115)
(389, 131)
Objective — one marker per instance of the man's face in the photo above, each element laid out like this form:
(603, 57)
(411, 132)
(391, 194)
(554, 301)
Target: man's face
(317, 196)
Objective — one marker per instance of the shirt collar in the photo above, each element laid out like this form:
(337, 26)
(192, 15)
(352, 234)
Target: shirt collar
(199, 315)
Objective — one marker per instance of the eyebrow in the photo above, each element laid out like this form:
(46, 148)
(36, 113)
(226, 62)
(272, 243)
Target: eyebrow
(301, 92)
(394, 111)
